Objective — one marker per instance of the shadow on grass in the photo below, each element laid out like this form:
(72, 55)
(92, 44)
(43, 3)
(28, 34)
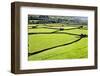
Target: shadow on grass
(54, 32)
(57, 28)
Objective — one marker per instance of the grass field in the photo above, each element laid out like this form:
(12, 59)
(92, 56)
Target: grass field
(49, 42)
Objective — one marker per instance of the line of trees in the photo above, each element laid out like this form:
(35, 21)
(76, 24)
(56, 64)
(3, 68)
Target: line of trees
(34, 19)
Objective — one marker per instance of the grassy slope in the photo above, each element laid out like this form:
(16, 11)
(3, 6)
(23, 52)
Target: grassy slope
(73, 51)
(39, 42)
(76, 31)
(40, 30)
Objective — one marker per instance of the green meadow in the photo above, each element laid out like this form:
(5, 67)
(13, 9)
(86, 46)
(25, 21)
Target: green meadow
(54, 41)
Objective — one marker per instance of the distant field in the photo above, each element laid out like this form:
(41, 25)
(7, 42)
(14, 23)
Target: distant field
(57, 41)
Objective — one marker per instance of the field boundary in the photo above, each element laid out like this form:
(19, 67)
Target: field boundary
(58, 31)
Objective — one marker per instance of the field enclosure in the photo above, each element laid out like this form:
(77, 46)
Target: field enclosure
(57, 41)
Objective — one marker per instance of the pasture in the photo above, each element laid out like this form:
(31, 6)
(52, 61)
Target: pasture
(57, 41)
